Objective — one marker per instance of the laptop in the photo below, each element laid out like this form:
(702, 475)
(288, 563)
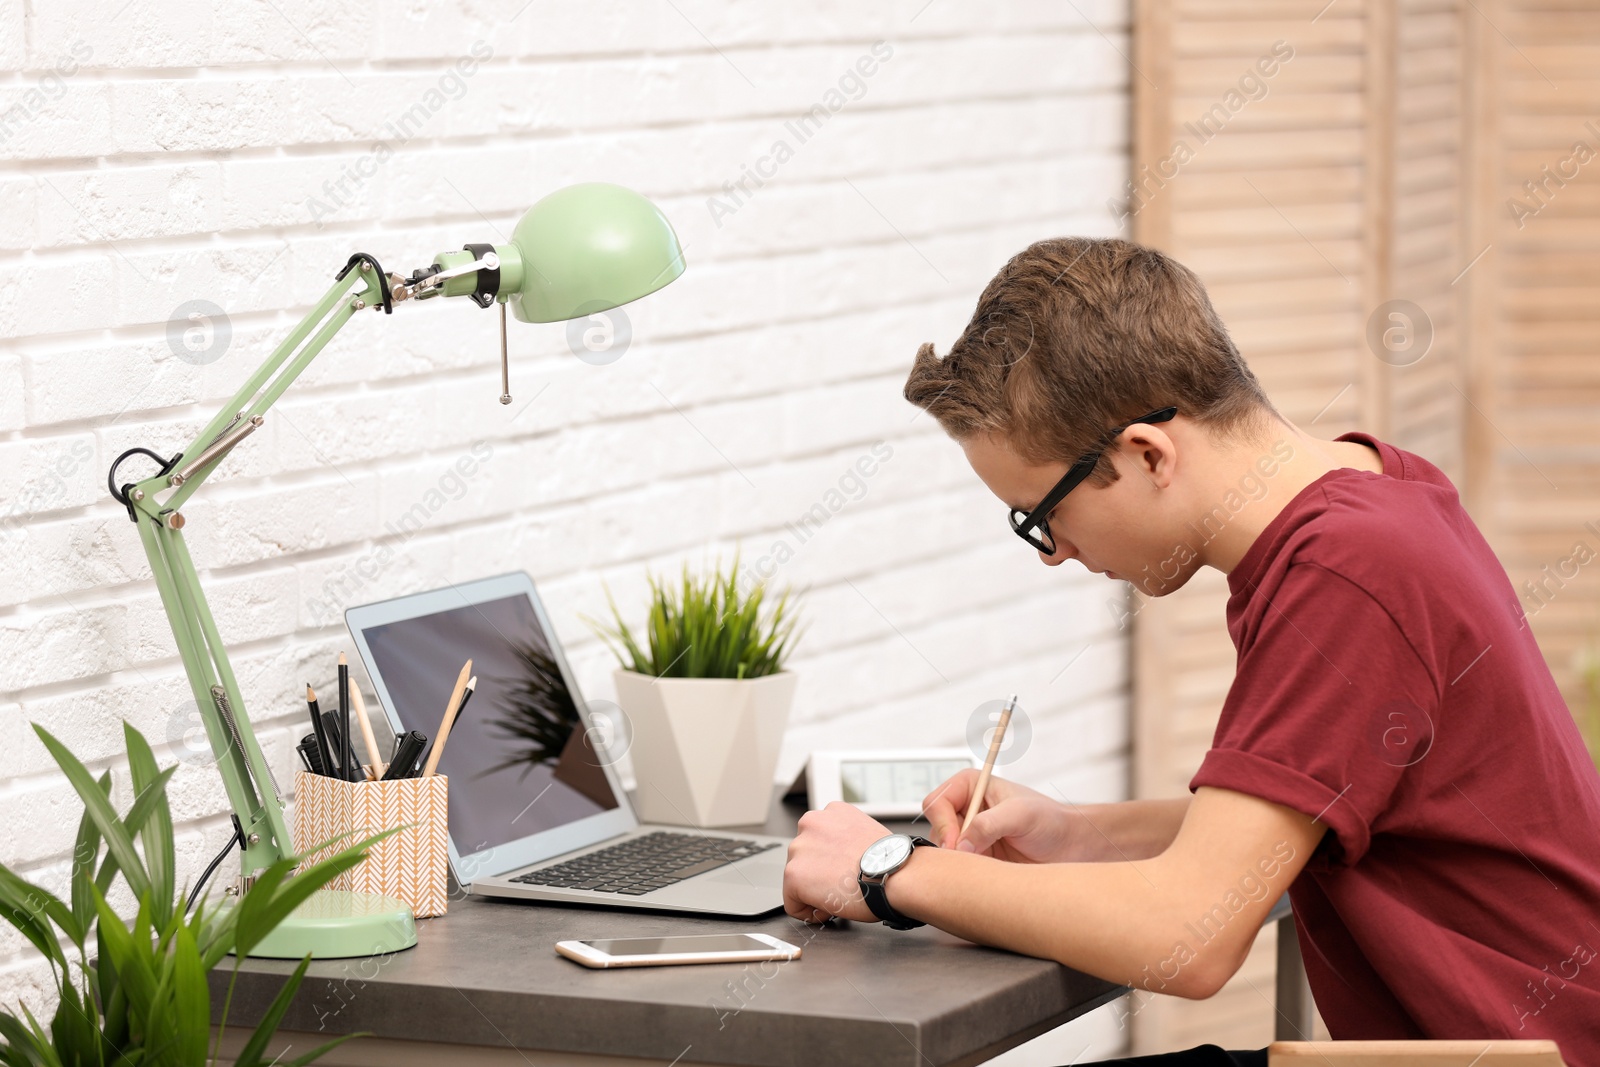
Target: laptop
(536, 808)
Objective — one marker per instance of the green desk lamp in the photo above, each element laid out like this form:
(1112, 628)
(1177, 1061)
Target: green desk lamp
(580, 250)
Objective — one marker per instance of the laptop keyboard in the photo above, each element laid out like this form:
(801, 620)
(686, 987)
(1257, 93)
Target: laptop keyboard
(646, 863)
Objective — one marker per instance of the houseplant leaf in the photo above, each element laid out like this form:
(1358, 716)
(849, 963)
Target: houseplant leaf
(30, 909)
(84, 852)
(258, 913)
(26, 1044)
(323, 1049)
(121, 946)
(156, 833)
(191, 1003)
(98, 807)
(703, 627)
(141, 998)
(250, 1055)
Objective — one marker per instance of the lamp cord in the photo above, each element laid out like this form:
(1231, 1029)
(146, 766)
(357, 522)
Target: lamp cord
(121, 495)
(383, 279)
(237, 838)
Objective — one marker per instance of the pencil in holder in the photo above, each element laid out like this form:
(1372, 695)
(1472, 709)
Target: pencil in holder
(411, 865)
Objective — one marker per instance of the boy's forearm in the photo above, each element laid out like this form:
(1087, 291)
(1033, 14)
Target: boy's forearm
(1179, 921)
(1128, 829)
(1106, 919)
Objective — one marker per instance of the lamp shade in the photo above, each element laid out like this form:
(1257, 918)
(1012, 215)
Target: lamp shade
(589, 247)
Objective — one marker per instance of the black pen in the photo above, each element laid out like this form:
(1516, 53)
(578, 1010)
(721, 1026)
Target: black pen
(316, 727)
(407, 756)
(308, 753)
(344, 722)
(466, 695)
(330, 725)
(330, 730)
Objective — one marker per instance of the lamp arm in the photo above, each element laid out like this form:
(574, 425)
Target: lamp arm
(153, 505)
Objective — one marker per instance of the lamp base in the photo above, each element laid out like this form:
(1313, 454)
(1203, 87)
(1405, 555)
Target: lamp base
(336, 924)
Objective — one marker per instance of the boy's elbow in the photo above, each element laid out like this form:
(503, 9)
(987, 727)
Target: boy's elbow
(1189, 973)
(1200, 983)
(1188, 983)
(1207, 973)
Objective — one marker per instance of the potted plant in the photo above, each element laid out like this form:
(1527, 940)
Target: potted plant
(706, 695)
(136, 992)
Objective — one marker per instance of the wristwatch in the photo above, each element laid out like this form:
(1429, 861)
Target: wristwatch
(881, 859)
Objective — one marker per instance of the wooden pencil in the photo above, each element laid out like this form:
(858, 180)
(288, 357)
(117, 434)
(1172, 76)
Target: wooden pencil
(975, 805)
(359, 703)
(450, 711)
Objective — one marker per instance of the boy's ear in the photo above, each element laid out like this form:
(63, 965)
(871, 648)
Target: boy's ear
(1151, 451)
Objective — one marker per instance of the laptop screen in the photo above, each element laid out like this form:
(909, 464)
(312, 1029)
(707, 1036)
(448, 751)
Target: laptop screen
(519, 759)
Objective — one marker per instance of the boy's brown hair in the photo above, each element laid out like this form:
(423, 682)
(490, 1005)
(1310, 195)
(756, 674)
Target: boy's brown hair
(1078, 335)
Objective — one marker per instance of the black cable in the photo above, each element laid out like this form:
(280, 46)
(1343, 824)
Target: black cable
(121, 495)
(383, 279)
(237, 838)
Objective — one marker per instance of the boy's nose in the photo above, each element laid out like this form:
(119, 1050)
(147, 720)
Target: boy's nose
(1062, 553)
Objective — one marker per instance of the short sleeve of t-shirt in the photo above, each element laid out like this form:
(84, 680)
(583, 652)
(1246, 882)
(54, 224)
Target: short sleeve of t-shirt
(1329, 705)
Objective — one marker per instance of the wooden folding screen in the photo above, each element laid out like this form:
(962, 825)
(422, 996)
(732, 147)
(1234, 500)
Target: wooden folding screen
(1345, 176)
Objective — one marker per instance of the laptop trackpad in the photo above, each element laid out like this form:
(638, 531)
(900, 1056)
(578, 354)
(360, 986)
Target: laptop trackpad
(751, 887)
(749, 874)
(763, 869)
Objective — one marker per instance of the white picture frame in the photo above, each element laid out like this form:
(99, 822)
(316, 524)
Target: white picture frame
(885, 783)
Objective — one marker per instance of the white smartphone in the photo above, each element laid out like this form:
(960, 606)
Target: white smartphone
(690, 948)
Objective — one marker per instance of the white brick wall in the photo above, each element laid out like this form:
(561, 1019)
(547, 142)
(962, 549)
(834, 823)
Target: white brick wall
(156, 153)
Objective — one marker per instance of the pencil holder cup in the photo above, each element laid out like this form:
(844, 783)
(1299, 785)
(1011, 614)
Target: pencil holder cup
(410, 865)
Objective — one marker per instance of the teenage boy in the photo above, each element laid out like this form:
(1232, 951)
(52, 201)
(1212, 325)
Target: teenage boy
(1393, 750)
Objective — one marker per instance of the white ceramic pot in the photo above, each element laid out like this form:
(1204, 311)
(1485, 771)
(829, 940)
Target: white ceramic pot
(705, 749)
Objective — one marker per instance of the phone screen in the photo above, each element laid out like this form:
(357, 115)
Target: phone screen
(657, 946)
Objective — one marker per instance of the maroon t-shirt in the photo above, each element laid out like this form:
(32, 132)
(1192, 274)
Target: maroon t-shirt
(1388, 684)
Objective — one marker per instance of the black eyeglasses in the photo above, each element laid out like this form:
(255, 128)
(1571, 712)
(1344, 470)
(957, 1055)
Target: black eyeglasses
(1034, 526)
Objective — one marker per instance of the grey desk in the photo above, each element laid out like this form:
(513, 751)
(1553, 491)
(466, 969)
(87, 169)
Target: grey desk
(484, 985)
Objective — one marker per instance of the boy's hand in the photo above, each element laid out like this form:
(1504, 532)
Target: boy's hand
(821, 878)
(1017, 824)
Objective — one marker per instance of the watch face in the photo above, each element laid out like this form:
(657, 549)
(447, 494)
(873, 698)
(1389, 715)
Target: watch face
(885, 854)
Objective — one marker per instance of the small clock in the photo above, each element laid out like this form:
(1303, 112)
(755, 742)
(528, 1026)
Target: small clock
(884, 783)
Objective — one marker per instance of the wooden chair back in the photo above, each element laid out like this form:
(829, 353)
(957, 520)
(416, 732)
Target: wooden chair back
(1483, 1053)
